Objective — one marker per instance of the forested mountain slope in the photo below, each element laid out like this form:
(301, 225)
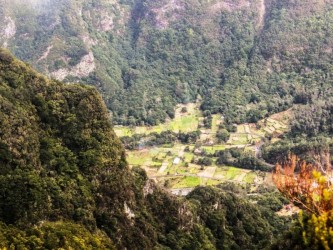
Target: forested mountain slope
(146, 56)
(65, 183)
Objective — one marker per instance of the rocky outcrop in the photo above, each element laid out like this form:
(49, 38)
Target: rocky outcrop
(8, 32)
(82, 69)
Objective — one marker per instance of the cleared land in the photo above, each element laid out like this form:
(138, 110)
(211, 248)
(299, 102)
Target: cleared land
(160, 163)
(183, 122)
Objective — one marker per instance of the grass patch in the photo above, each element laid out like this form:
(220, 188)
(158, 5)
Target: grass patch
(181, 124)
(232, 173)
(140, 157)
(194, 169)
(214, 123)
(213, 182)
(122, 131)
(221, 172)
(188, 157)
(141, 130)
(156, 164)
(182, 171)
(187, 182)
(184, 124)
(137, 158)
(250, 177)
(213, 149)
(239, 139)
(240, 128)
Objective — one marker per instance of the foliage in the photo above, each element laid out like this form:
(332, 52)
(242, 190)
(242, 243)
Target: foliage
(238, 158)
(154, 139)
(314, 119)
(318, 230)
(53, 235)
(65, 183)
(233, 221)
(149, 57)
(222, 135)
(309, 149)
(205, 161)
(309, 186)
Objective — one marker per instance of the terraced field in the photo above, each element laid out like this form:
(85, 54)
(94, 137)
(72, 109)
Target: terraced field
(183, 122)
(173, 167)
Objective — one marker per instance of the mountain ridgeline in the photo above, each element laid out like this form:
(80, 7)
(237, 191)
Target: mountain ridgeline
(147, 56)
(65, 183)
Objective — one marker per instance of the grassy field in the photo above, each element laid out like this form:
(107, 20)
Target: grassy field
(159, 162)
(123, 131)
(138, 157)
(215, 123)
(214, 148)
(187, 181)
(250, 177)
(183, 122)
(225, 174)
(232, 173)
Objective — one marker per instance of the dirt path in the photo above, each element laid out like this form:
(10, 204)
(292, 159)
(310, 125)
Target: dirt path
(163, 168)
(262, 13)
(46, 53)
(181, 152)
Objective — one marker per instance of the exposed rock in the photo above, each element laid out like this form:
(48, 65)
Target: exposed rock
(9, 30)
(106, 22)
(148, 188)
(216, 206)
(229, 5)
(88, 41)
(162, 15)
(128, 211)
(46, 53)
(186, 217)
(82, 69)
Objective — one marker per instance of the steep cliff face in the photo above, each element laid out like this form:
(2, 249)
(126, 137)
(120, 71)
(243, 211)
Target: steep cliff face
(57, 36)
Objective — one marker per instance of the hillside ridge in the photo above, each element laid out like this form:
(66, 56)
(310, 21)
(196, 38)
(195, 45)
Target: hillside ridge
(153, 55)
(64, 177)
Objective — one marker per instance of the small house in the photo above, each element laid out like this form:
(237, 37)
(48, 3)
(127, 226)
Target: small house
(176, 161)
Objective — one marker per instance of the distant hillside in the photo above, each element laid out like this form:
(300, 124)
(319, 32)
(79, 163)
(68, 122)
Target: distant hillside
(65, 183)
(146, 56)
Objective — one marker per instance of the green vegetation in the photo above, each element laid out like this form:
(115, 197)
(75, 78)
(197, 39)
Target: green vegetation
(245, 61)
(201, 156)
(185, 123)
(53, 235)
(232, 173)
(189, 181)
(237, 234)
(250, 177)
(156, 63)
(65, 182)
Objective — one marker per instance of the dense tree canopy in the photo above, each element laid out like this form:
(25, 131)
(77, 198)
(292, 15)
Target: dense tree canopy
(243, 60)
(65, 183)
